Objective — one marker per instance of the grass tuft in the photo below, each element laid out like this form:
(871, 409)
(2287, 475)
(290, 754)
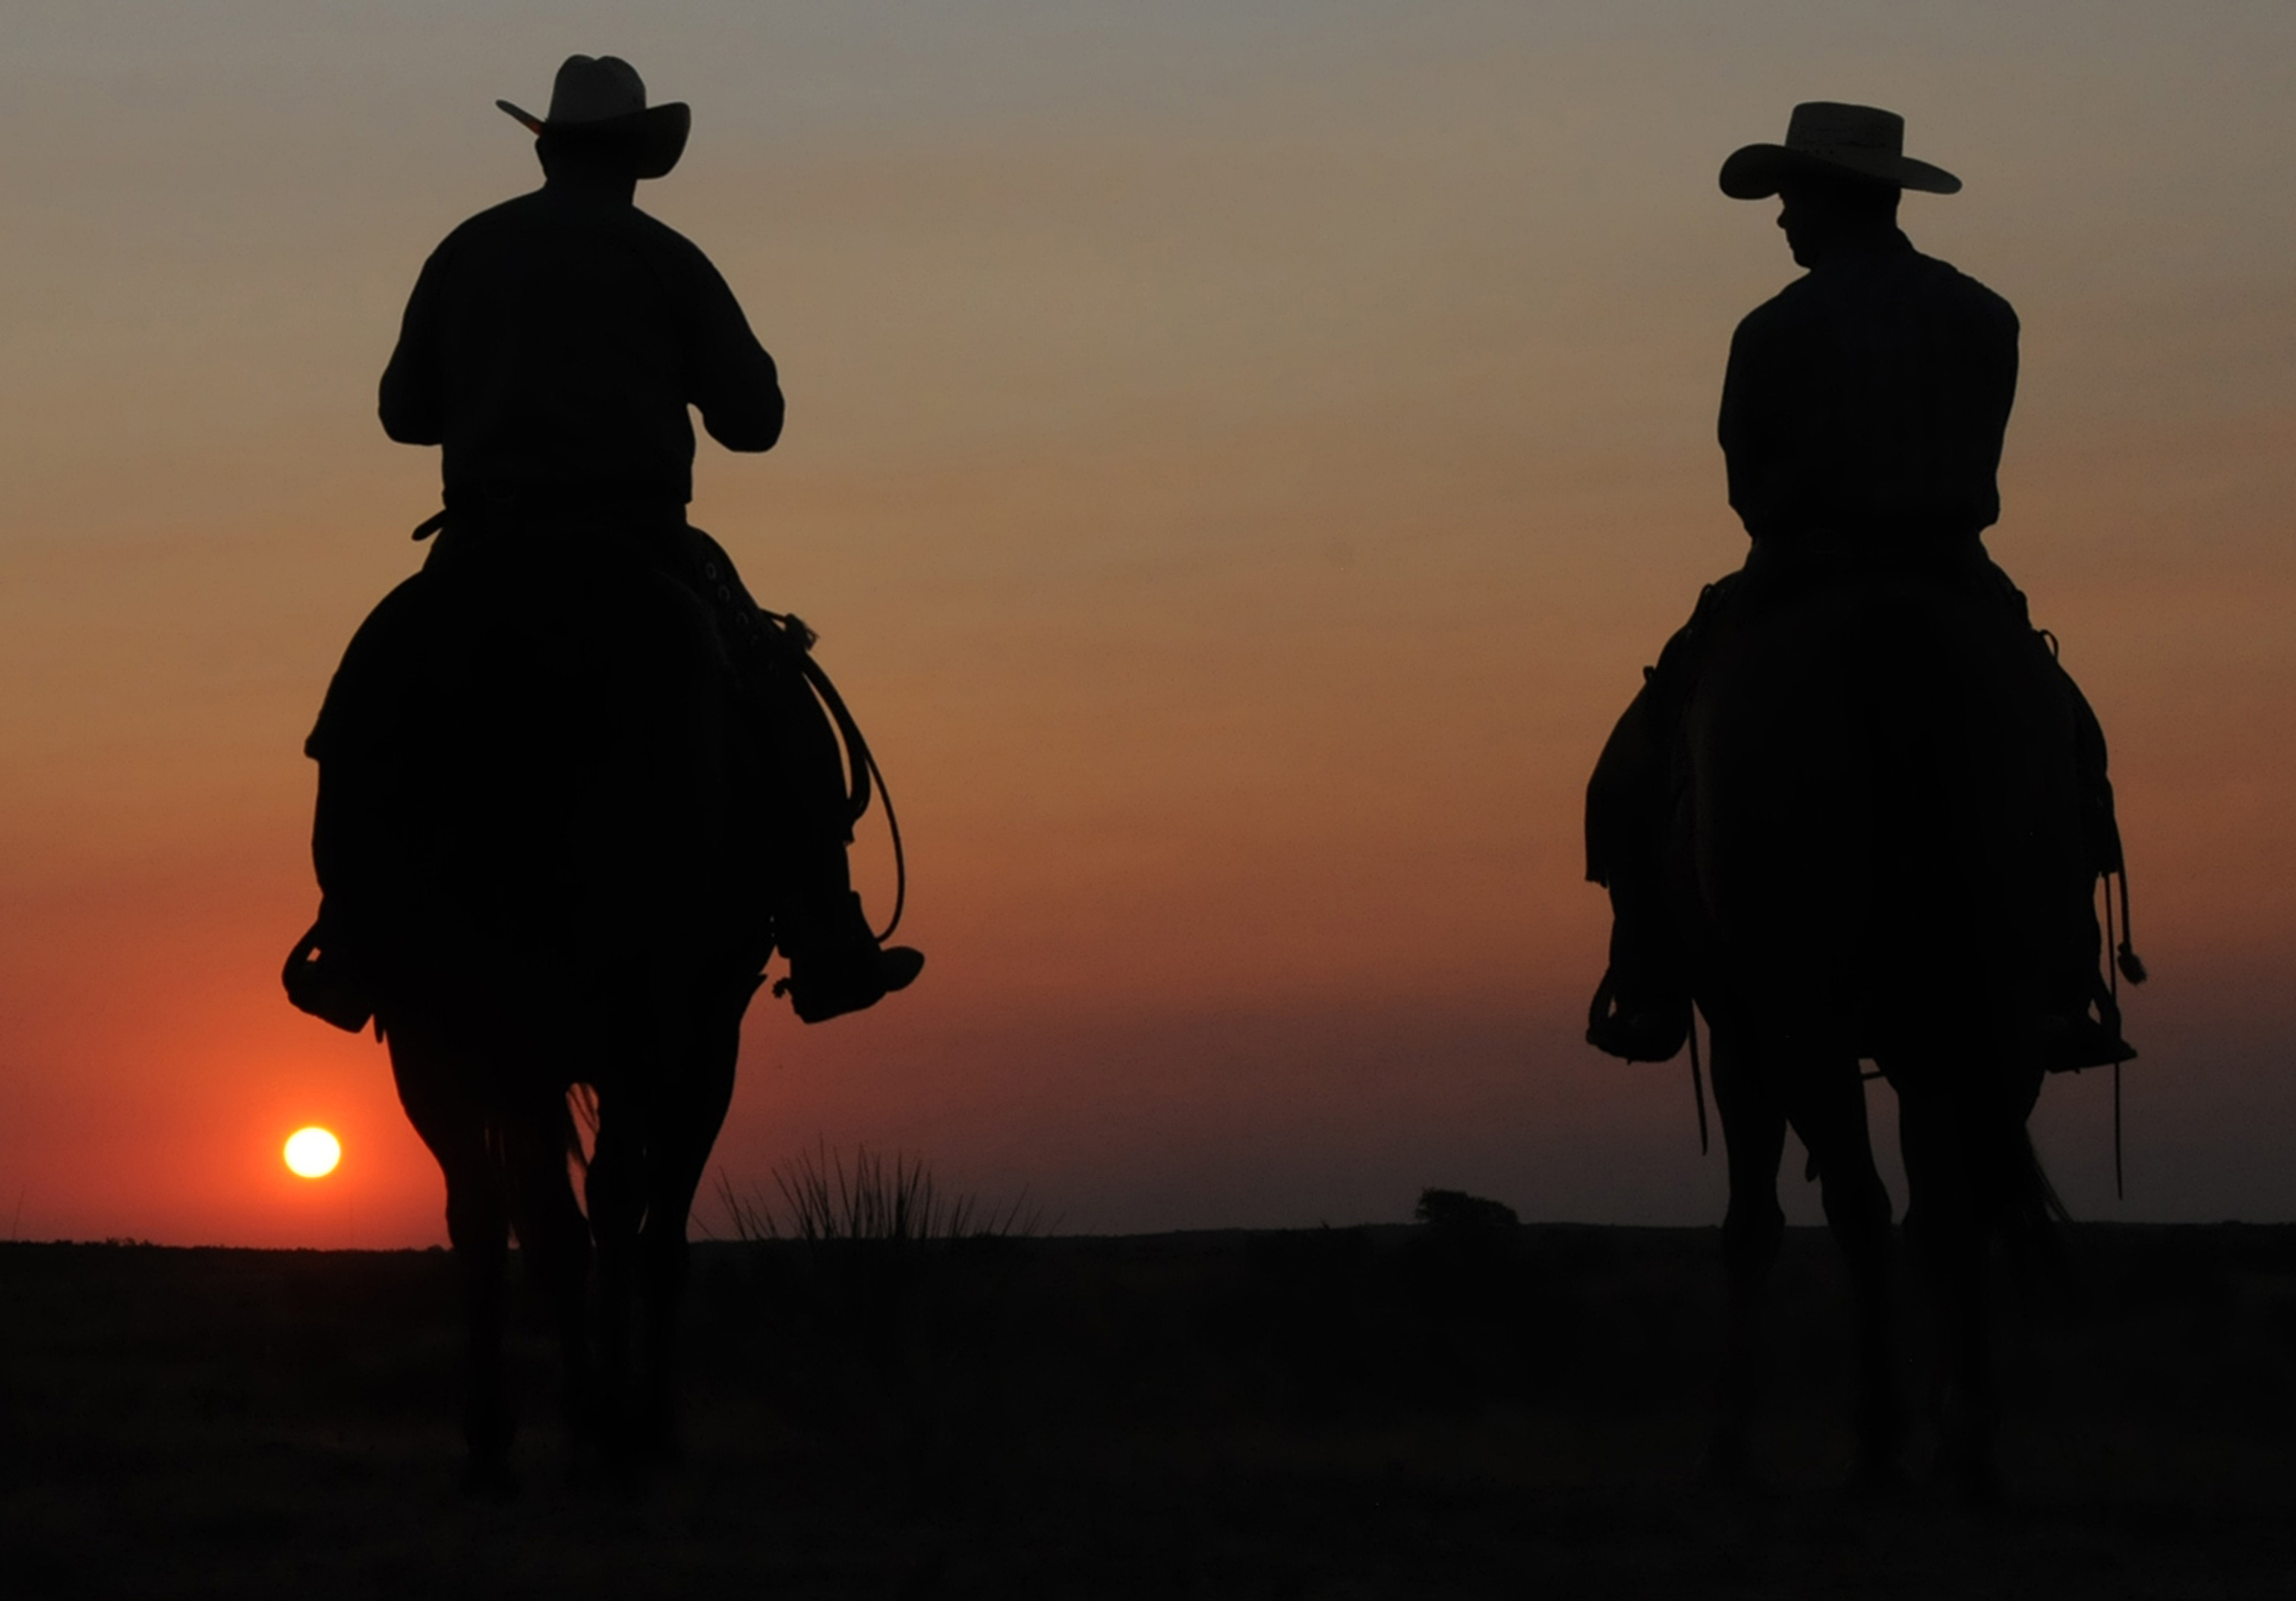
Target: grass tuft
(893, 1199)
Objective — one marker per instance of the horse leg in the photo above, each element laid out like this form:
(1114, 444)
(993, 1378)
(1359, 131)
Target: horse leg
(1753, 1141)
(686, 1117)
(478, 1223)
(1829, 1113)
(1945, 1227)
(617, 1192)
(555, 1238)
(453, 1126)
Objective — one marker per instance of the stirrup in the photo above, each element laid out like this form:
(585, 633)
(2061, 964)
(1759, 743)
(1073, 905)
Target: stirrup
(2071, 1045)
(821, 985)
(836, 965)
(1636, 1034)
(2085, 1034)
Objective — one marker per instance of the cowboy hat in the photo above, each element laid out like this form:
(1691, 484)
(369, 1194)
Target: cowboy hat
(602, 98)
(1825, 139)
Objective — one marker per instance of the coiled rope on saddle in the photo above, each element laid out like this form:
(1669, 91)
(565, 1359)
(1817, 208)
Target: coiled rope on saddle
(787, 632)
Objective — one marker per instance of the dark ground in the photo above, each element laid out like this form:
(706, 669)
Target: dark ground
(1392, 1412)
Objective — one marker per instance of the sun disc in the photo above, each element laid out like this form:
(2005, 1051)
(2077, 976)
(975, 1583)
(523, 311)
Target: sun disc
(313, 1152)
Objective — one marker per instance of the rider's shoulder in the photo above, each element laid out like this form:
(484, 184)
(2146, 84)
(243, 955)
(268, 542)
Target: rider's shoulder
(545, 210)
(661, 237)
(1773, 316)
(1945, 279)
(542, 220)
(486, 231)
(518, 210)
(1894, 276)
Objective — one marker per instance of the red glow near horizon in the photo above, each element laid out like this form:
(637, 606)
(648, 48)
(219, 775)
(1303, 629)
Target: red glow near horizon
(1235, 520)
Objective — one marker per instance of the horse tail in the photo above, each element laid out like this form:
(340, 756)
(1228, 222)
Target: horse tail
(557, 1128)
(581, 1102)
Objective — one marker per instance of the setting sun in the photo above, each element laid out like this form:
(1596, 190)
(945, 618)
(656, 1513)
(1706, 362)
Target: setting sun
(313, 1152)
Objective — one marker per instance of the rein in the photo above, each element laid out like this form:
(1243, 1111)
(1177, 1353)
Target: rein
(2125, 963)
(1698, 1081)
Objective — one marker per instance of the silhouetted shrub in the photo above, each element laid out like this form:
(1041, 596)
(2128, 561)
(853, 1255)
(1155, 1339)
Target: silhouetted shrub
(1455, 1211)
(896, 1201)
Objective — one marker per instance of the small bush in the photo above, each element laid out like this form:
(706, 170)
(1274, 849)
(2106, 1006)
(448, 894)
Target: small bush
(1455, 1211)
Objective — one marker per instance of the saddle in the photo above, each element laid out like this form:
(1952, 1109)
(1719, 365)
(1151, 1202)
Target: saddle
(408, 669)
(1642, 1008)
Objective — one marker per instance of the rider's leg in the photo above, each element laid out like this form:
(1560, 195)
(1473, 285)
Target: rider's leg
(2075, 839)
(800, 801)
(1642, 1009)
(836, 964)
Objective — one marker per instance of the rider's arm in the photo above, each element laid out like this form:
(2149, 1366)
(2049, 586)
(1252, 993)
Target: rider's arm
(1998, 374)
(413, 402)
(1753, 395)
(733, 382)
(1978, 365)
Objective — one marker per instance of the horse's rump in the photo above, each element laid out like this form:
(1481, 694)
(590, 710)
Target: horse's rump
(1878, 833)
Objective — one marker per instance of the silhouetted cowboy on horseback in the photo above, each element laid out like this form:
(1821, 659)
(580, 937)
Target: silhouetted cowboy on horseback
(575, 787)
(1862, 420)
(1857, 811)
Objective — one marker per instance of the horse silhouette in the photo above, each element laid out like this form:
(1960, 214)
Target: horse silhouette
(1875, 824)
(539, 832)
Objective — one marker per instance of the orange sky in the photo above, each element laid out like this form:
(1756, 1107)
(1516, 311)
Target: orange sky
(1239, 457)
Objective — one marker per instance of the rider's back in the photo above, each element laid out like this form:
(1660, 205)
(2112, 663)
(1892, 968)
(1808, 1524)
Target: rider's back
(553, 345)
(1866, 402)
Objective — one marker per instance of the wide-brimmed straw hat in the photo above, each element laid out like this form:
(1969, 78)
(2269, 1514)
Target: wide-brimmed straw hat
(602, 98)
(1826, 139)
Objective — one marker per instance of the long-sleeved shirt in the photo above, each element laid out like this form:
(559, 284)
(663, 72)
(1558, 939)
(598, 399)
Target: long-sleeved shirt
(1867, 401)
(553, 344)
